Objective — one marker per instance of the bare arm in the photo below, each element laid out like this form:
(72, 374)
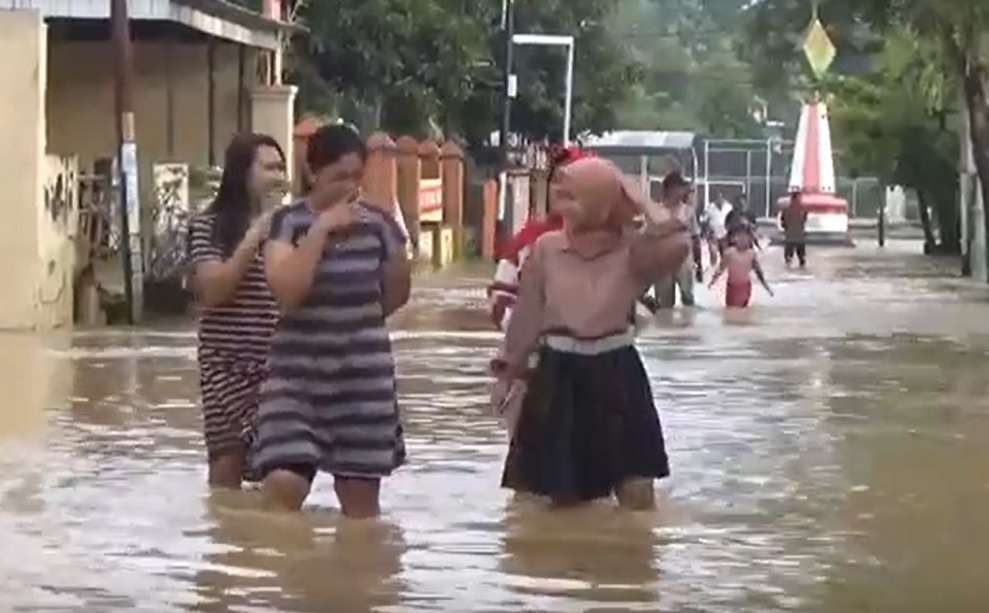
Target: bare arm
(722, 267)
(396, 269)
(215, 279)
(661, 247)
(396, 283)
(757, 269)
(290, 269)
(526, 324)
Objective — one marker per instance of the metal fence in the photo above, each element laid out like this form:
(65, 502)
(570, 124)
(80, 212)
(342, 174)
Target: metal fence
(746, 168)
(756, 170)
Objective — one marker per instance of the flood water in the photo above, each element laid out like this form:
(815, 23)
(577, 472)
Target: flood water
(830, 452)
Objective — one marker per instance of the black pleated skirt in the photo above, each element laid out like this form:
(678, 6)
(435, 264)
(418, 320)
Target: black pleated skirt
(588, 424)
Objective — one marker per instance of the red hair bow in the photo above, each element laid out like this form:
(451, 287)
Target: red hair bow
(561, 156)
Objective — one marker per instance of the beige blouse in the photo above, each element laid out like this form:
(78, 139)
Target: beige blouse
(562, 291)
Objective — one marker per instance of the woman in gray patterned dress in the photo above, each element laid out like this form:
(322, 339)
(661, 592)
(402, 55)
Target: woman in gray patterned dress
(338, 268)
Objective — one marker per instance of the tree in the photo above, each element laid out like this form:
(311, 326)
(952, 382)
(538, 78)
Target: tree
(693, 76)
(401, 61)
(951, 41)
(605, 73)
(888, 130)
(408, 66)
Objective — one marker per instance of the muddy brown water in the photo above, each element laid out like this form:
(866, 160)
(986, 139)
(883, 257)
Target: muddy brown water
(830, 453)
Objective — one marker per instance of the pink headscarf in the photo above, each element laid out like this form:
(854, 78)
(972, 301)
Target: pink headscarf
(607, 205)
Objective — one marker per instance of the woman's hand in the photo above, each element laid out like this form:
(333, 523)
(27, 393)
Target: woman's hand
(258, 231)
(335, 218)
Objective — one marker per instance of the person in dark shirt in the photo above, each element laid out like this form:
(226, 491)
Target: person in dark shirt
(793, 218)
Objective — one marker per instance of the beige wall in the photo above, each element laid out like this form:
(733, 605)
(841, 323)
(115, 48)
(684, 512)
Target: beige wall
(81, 119)
(22, 122)
(57, 111)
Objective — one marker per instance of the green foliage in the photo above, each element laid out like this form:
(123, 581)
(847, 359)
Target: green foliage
(401, 59)
(693, 76)
(405, 65)
(886, 125)
(898, 71)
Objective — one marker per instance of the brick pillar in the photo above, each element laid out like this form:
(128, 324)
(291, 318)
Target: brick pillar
(489, 223)
(381, 174)
(409, 171)
(452, 161)
(540, 188)
(429, 157)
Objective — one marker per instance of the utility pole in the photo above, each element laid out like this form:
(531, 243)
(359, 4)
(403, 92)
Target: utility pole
(130, 210)
(507, 93)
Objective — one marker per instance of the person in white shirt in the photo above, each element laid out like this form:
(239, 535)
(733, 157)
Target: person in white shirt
(716, 215)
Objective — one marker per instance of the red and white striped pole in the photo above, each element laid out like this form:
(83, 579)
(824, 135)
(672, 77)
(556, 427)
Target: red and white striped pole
(812, 176)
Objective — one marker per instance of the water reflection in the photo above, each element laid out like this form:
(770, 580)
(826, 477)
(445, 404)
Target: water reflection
(593, 555)
(32, 380)
(304, 563)
(828, 452)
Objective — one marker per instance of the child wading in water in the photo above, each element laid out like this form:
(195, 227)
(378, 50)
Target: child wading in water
(740, 261)
(588, 427)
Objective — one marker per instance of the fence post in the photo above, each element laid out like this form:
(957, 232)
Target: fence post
(452, 171)
(381, 175)
(409, 172)
(430, 169)
(489, 223)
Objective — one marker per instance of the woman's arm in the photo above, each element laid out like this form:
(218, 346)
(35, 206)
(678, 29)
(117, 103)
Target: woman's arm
(396, 269)
(215, 279)
(661, 247)
(526, 324)
(289, 269)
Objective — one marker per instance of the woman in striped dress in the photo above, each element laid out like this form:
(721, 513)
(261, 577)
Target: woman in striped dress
(239, 313)
(338, 267)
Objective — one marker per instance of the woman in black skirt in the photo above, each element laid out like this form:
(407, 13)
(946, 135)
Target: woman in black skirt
(588, 426)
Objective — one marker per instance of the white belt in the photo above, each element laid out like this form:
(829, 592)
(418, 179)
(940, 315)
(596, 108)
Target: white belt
(569, 344)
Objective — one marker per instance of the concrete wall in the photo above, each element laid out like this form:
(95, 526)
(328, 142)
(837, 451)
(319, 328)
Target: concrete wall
(22, 122)
(58, 223)
(57, 116)
(80, 102)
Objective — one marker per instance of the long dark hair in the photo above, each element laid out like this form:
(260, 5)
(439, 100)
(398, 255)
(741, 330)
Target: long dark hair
(232, 205)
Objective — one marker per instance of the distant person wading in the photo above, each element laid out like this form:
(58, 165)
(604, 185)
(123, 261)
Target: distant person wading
(676, 198)
(238, 312)
(793, 218)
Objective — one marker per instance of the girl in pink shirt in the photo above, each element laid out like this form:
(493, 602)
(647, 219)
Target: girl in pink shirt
(740, 262)
(588, 427)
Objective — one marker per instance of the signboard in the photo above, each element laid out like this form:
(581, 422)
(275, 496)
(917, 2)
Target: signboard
(431, 201)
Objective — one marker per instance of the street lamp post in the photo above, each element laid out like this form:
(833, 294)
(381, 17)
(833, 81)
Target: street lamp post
(507, 93)
(553, 40)
(510, 87)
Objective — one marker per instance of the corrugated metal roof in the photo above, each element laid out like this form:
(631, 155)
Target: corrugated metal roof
(642, 140)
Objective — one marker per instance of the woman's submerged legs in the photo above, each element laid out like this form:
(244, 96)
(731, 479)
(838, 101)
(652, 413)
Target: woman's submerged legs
(226, 468)
(286, 489)
(637, 494)
(359, 496)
